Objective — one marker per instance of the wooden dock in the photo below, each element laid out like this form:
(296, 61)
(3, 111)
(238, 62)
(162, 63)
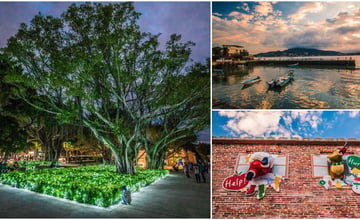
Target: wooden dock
(333, 63)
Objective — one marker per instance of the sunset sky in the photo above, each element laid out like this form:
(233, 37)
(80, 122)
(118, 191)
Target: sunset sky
(298, 123)
(269, 26)
(190, 19)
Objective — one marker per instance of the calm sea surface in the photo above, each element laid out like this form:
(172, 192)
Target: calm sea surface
(313, 87)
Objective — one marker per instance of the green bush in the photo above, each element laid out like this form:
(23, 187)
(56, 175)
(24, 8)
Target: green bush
(96, 185)
(30, 165)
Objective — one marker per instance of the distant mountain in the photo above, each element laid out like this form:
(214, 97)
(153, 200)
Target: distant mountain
(295, 52)
(353, 53)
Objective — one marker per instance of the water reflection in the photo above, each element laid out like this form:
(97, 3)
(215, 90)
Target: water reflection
(319, 87)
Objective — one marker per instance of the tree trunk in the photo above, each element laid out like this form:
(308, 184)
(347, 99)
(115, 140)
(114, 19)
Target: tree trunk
(106, 155)
(155, 160)
(122, 163)
(160, 162)
(52, 153)
(7, 154)
(118, 148)
(124, 167)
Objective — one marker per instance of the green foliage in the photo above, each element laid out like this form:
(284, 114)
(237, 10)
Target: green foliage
(31, 164)
(95, 68)
(94, 185)
(217, 53)
(22, 122)
(243, 55)
(12, 136)
(177, 124)
(13, 111)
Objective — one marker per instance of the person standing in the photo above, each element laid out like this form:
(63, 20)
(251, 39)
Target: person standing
(190, 165)
(186, 170)
(197, 173)
(202, 171)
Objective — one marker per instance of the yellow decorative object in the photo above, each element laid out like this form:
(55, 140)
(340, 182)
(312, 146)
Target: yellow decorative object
(338, 184)
(355, 171)
(337, 170)
(336, 165)
(277, 183)
(247, 158)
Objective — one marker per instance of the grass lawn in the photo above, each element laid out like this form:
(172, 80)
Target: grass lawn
(97, 185)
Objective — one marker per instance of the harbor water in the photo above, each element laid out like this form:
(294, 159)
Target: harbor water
(313, 87)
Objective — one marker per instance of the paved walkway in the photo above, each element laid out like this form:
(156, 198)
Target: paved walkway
(175, 196)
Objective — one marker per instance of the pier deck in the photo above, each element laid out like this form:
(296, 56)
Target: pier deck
(349, 63)
(305, 62)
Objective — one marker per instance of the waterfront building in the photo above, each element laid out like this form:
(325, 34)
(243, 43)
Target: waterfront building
(231, 50)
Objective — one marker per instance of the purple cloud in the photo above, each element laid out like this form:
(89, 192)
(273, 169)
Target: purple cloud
(190, 19)
(12, 14)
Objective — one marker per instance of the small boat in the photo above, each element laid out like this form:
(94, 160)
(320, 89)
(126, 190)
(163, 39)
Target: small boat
(281, 81)
(251, 81)
(293, 65)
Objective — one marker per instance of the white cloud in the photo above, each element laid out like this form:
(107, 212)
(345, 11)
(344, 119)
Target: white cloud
(288, 120)
(264, 9)
(353, 114)
(322, 25)
(312, 118)
(255, 123)
(272, 123)
(245, 7)
(251, 30)
(303, 12)
(236, 15)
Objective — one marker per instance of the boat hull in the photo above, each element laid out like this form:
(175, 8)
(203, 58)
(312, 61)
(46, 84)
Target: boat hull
(293, 65)
(286, 81)
(251, 82)
(282, 81)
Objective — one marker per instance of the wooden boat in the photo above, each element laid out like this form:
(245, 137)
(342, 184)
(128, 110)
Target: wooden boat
(293, 65)
(282, 81)
(251, 81)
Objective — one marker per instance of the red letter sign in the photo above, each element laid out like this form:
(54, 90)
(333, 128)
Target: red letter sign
(235, 182)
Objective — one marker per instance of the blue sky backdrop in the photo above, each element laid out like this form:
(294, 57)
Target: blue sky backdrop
(269, 26)
(190, 19)
(297, 123)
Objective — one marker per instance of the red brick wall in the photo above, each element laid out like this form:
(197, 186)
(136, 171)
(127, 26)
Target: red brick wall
(300, 197)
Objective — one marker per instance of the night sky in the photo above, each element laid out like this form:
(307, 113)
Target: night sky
(190, 19)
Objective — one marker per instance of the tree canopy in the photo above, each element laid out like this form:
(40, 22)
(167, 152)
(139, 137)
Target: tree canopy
(13, 113)
(95, 68)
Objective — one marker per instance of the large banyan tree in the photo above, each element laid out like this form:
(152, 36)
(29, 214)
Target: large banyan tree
(97, 69)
